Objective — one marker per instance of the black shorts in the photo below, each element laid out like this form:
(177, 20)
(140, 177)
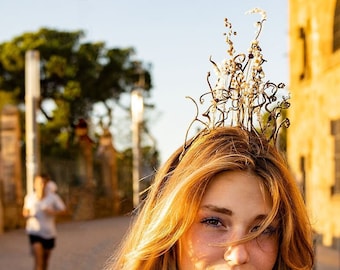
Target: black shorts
(46, 243)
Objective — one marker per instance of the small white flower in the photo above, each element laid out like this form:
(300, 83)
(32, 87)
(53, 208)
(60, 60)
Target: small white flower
(259, 11)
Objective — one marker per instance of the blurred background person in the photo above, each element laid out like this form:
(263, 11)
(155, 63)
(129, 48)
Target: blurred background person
(40, 209)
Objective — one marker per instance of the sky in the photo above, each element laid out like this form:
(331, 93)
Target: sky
(175, 37)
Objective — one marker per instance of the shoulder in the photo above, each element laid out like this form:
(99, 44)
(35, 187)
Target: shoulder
(30, 200)
(30, 197)
(55, 199)
(51, 197)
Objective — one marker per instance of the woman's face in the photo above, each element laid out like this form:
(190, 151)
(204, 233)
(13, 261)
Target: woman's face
(232, 207)
(39, 183)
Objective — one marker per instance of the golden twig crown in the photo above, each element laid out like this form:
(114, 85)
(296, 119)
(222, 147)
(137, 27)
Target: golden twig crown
(241, 96)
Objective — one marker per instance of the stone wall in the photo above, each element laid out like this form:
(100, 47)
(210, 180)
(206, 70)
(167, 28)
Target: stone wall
(314, 84)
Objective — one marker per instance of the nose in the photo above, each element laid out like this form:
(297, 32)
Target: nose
(237, 255)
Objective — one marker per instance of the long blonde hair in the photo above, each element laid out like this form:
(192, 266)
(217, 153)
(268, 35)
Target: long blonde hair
(175, 196)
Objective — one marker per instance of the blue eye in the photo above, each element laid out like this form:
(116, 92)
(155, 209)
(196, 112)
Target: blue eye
(255, 228)
(212, 221)
(270, 230)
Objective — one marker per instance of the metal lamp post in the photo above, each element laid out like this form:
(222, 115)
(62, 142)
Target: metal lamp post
(137, 108)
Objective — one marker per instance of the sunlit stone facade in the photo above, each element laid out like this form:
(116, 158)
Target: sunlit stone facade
(314, 135)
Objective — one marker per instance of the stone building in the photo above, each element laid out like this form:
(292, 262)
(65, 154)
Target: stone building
(11, 191)
(314, 135)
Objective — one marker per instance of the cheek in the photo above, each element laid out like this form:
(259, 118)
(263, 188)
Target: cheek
(196, 251)
(264, 254)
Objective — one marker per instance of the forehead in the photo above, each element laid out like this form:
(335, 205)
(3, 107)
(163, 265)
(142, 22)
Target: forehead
(39, 179)
(238, 191)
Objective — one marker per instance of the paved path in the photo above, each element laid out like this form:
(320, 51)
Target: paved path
(84, 245)
(87, 245)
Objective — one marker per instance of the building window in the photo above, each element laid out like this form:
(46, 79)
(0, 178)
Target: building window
(306, 66)
(336, 27)
(335, 129)
(303, 176)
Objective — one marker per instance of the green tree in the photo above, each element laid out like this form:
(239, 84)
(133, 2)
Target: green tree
(281, 139)
(75, 75)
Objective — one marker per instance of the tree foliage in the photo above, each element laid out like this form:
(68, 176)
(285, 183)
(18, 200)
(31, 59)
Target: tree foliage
(75, 75)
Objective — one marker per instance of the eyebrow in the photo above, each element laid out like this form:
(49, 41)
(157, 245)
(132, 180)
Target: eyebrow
(226, 211)
(217, 209)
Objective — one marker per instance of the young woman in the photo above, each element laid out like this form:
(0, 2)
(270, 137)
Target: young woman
(229, 202)
(40, 209)
(226, 199)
